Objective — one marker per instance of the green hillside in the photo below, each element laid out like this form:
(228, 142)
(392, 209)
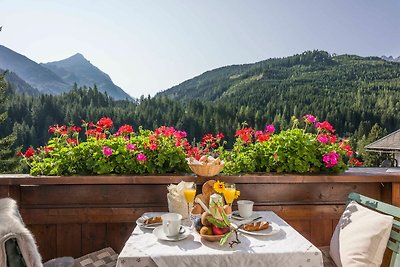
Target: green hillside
(347, 90)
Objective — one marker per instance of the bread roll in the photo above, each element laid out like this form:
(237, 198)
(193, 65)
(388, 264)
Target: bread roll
(156, 219)
(257, 226)
(228, 209)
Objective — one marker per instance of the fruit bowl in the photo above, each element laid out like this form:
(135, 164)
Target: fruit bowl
(211, 238)
(206, 170)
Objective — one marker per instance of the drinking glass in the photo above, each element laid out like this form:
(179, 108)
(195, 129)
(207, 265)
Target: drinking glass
(229, 194)
(190, 193)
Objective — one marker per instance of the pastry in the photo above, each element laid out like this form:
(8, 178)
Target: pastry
(156, 219)
(257, 226)
(197, 209)
(208, 190)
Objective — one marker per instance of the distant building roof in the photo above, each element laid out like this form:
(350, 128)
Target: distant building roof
(389, 143)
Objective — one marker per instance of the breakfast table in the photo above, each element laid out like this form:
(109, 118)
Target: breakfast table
(283, 247)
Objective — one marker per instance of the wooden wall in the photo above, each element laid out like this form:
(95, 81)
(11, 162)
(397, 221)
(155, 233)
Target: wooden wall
(72, 216)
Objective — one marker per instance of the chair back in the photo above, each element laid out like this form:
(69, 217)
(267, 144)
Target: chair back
(382, 207)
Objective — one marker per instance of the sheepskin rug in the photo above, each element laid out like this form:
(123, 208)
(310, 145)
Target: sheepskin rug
(12, 226)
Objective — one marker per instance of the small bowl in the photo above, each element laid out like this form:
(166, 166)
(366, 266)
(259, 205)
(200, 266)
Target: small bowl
(211, 238)
(206, 170)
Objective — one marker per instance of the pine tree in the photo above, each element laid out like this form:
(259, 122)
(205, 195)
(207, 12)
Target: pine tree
(7, 156)
(371, 159)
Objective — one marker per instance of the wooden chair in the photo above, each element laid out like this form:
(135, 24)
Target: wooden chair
(393, 244)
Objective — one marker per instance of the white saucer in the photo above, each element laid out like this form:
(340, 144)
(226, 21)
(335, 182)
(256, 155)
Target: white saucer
(159, 233)
(271, 230)
(140, 222)
(236, 216)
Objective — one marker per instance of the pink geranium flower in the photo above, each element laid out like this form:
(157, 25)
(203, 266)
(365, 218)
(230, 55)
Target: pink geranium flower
(257, 133)
(309, 118)
(107, 151)
(141, 157)
(130, 147)
(322, 138)
(270, 128)
(331, 159)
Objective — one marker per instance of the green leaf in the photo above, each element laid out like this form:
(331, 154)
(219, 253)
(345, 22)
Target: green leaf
(216, 222)
(223, 240)
(226, 219)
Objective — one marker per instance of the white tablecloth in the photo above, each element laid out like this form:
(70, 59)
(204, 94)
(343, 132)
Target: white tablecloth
(286, 248)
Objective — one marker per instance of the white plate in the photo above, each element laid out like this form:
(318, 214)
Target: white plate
(159, 233)
(140, 222)
(271, 230)
(236, 216)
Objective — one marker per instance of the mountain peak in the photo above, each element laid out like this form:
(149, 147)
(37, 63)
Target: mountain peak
(78, 57)
(77, 69)
(391, 58)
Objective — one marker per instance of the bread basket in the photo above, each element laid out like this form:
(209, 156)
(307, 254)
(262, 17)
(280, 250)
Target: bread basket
(206, 170)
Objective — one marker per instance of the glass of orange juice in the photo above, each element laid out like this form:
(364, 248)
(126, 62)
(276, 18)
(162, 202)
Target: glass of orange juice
(229, 193)
(190, 193)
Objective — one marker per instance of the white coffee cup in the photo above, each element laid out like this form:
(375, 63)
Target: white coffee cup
(171, 223)
(245, 208)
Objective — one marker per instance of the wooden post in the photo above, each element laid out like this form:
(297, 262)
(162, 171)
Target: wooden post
(396, 194)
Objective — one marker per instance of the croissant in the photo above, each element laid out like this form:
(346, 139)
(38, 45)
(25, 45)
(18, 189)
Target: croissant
(257, 226)
(156, 219)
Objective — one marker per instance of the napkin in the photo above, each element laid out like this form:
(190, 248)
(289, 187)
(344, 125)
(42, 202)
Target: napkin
(176, 199)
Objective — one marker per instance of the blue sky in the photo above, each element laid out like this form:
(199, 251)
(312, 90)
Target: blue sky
(148, 46)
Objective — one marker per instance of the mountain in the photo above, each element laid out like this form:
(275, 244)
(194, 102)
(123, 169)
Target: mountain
(307, 76)
(19, 85)
(391, 58)
(55, 77)
(77, 69)
(31, 72)
(349, 91)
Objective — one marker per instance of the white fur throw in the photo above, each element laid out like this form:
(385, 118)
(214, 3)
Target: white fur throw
(11, 226)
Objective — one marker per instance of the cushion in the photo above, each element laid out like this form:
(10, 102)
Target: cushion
(60, 262)
(361, 236)
(101, 258)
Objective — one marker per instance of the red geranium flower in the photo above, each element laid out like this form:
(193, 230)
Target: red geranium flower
(47, 149)
(58, 129)
(263, 137)
(355, 162)
(245, 134)
(153, 146)
(75, 129)
(72, 141)
(125, 129)
(105, 123)
(324, 126)
(29, 153)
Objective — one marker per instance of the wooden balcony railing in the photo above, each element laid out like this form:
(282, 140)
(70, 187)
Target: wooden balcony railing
(72, 216)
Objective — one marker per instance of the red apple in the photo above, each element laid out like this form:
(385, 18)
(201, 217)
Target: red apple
(219, 231)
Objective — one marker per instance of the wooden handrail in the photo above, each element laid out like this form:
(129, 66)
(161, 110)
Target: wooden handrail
(353, 175)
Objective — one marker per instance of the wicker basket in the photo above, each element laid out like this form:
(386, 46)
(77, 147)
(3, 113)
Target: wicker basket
(206, 170)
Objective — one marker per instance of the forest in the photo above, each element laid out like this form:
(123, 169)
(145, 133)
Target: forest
(359, 96)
